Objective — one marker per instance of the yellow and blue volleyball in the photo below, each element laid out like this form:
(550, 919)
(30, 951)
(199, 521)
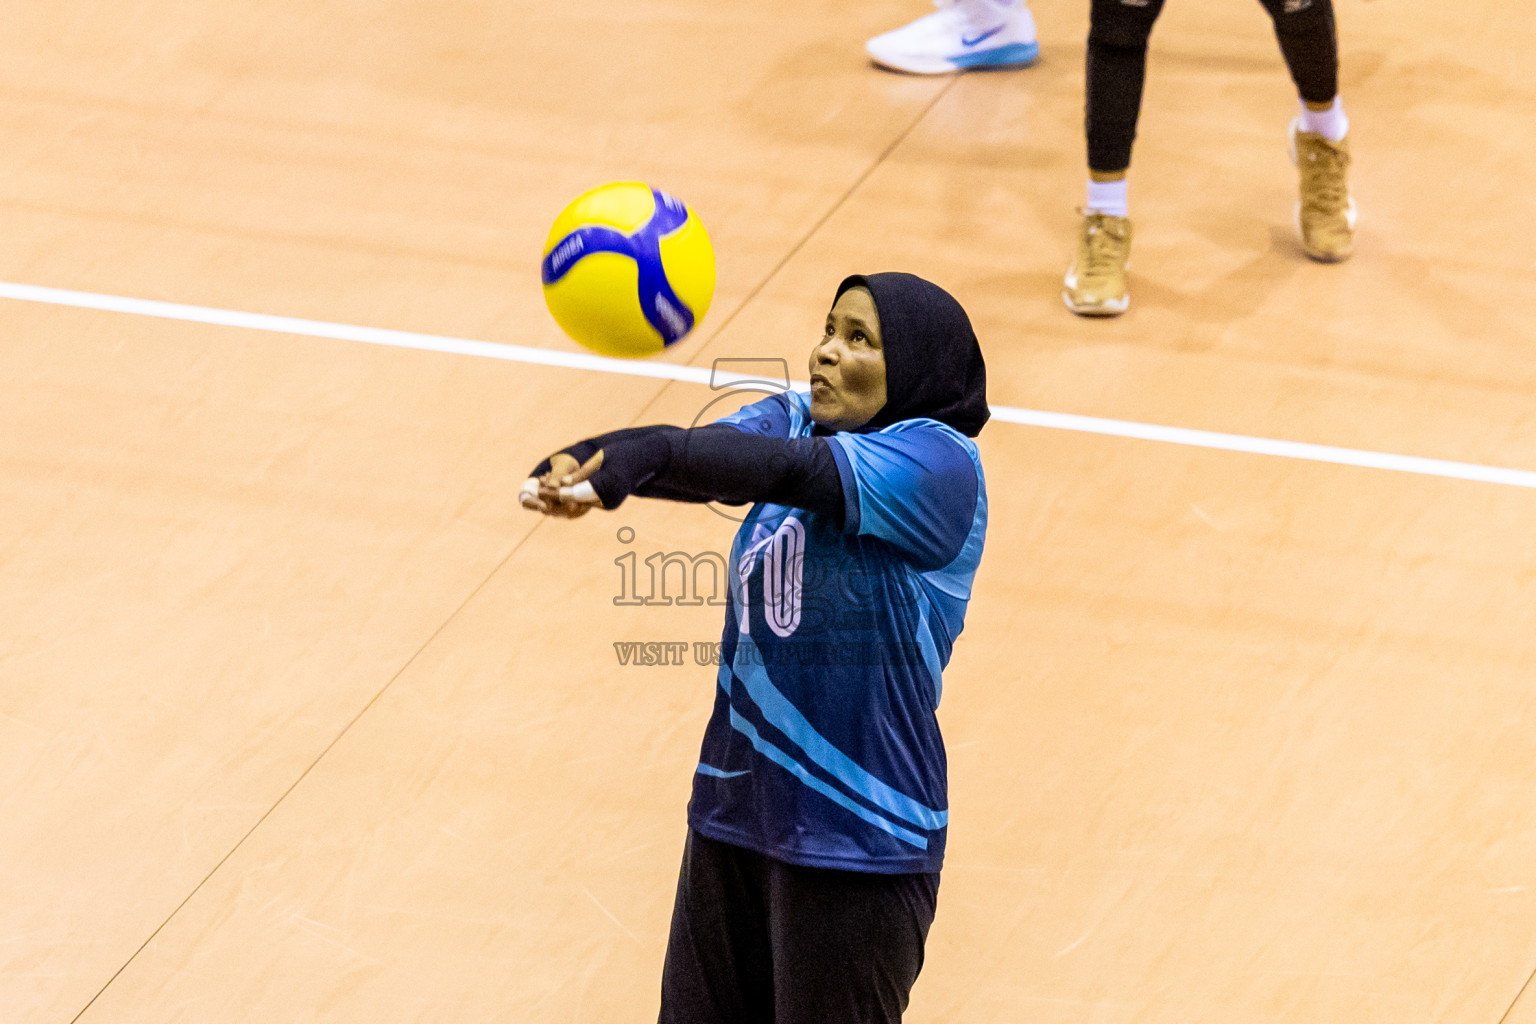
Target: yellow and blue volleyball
(628, 270)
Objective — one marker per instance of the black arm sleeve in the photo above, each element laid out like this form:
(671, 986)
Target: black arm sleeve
(581, 451)
(714, 463)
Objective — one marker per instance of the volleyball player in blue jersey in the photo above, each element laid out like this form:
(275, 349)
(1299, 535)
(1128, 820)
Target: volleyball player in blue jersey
(819, 810)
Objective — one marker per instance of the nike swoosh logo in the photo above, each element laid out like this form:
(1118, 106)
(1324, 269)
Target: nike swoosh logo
(981, 38)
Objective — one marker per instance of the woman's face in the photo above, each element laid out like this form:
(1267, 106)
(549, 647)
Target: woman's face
(848, 364)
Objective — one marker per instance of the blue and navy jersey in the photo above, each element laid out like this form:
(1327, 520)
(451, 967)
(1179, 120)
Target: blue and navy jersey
(824, 749)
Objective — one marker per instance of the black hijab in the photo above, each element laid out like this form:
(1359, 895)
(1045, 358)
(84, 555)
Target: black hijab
(933, 364)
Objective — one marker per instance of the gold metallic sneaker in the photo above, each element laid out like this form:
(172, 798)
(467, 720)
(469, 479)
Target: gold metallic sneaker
(1325, 214)
(1095, 285)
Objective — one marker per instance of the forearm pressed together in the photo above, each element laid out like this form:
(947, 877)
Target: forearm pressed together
(712, 463)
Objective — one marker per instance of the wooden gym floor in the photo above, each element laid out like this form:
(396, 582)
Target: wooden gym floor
(302, 719)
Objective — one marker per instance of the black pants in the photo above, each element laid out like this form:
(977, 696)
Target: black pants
(1117, 66)
(758, 941)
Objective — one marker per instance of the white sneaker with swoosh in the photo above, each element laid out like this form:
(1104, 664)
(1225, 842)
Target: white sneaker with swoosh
(961, 35)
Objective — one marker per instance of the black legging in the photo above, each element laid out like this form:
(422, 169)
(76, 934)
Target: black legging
(1117, 66)
(755, 940)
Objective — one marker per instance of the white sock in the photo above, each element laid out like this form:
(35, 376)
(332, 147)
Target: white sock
(1108, 197)
(1331, 124)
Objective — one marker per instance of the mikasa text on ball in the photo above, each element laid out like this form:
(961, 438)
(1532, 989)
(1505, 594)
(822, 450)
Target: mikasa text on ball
(628, 270)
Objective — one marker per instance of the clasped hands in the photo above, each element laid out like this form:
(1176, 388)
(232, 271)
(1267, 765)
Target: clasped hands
(564, 491)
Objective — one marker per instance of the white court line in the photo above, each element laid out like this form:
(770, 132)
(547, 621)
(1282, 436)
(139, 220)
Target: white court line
(700, 375)
(1268, 446)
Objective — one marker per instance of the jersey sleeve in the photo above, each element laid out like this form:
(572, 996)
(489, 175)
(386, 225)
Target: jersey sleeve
(770, 417)
(916, 489)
